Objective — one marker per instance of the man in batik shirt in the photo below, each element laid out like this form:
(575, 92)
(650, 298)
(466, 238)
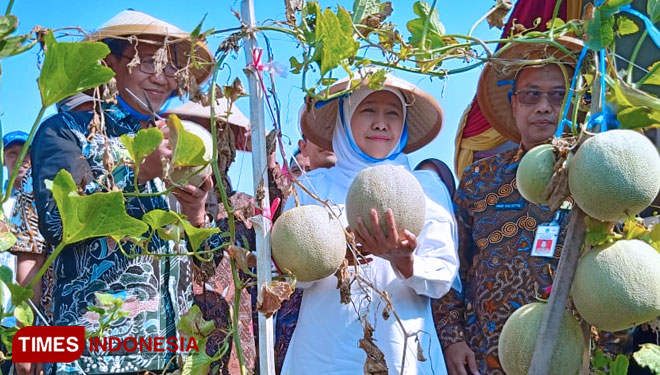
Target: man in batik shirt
(496, 224)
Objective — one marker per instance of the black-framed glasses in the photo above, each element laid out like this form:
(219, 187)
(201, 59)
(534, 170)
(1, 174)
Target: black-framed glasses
(532, 96)
(148, 66)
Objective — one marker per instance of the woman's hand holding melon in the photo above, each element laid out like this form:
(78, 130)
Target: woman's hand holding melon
(398, 250)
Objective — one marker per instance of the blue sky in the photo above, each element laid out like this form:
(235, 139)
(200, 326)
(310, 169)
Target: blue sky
(19, 95)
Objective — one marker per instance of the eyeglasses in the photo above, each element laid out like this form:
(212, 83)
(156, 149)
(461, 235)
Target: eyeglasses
(531, 96)
(147, 65)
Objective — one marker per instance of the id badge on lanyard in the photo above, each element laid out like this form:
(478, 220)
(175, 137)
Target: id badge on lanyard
(546, 237)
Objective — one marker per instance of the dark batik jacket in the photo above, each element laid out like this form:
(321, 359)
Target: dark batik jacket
(156, 290)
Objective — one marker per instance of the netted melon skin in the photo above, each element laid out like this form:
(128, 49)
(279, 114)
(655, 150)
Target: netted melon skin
(383, 187)
(618, 287)
(308, 242)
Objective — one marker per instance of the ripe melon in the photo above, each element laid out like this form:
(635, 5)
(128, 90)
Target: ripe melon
(534, 173)
(618, 286)
(383, 187)
(518, 340)
(309, 242)
(181, 175)
(614, 175)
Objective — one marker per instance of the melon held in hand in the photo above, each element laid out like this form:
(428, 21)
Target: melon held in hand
(384, 187)
(309, 242)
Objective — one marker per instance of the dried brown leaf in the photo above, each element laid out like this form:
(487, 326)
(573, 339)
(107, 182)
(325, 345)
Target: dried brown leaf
(243, 257)
(344, 283)
(271, 297)
(293, 6)
(557, 190)
(497, 17)
(420, 351)
(110, 91)
(375, 363)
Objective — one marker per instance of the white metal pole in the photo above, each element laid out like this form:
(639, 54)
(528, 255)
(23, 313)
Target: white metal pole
(260, 178)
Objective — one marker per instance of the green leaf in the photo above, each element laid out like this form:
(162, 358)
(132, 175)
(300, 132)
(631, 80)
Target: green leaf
(654, 79)
(626, 26)
(610, 7)
(377, 80)
(19, 294)
(629, 96)
(649, 356)
(95, 215)
(70, 68)
(189, 149)
(7, 240)
(653, 10)
(364, 8)
(99, 310)
(24, 314)
(160, 218)
(197, 236)
(198, 362)
(634, 228)
(198, 29)
(15, 45)
(555, 23)
(600, 360)
(142, 144)
(600, 30)
(6, 274)
(106, 299)
(599, 232)
(638, 117)
(334, 38)
(296, 66)
(193, 323)
(8, 25)
(620, 365)
(434, 33)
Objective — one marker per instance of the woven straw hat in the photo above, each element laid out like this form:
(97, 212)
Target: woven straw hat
(131, 22)
(493, 96)
(424, 114)
(200, 114)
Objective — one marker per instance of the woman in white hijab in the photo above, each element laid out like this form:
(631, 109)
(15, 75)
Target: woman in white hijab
(365, 129)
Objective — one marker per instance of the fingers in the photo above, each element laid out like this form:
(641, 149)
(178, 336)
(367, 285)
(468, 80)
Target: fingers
(410, 241)
(391, 226)
(472, 363)
(364, 237)
(376, 230)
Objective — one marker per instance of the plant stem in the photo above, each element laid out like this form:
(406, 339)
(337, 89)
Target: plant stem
(426, 25)
(21, 156)
(555, 12)
(47, 263)
(238, 287)
(9, 6)
(481, 20)
(633, 57)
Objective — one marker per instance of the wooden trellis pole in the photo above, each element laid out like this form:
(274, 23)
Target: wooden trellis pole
(260, 179)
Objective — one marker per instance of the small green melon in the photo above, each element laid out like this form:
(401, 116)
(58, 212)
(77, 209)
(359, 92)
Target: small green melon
(617, 287)
(615, 175)
(518, 340)
(383, 187)
(534, 173)
(309, 242)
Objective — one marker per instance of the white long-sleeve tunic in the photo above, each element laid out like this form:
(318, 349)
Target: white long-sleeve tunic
(326, 337)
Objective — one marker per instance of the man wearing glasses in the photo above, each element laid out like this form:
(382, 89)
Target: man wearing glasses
(501, 268)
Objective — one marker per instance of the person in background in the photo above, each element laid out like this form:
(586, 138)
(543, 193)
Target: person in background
(442, 170)
(298, 164)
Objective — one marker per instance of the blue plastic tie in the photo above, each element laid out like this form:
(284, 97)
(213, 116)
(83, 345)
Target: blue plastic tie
(564, 120)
